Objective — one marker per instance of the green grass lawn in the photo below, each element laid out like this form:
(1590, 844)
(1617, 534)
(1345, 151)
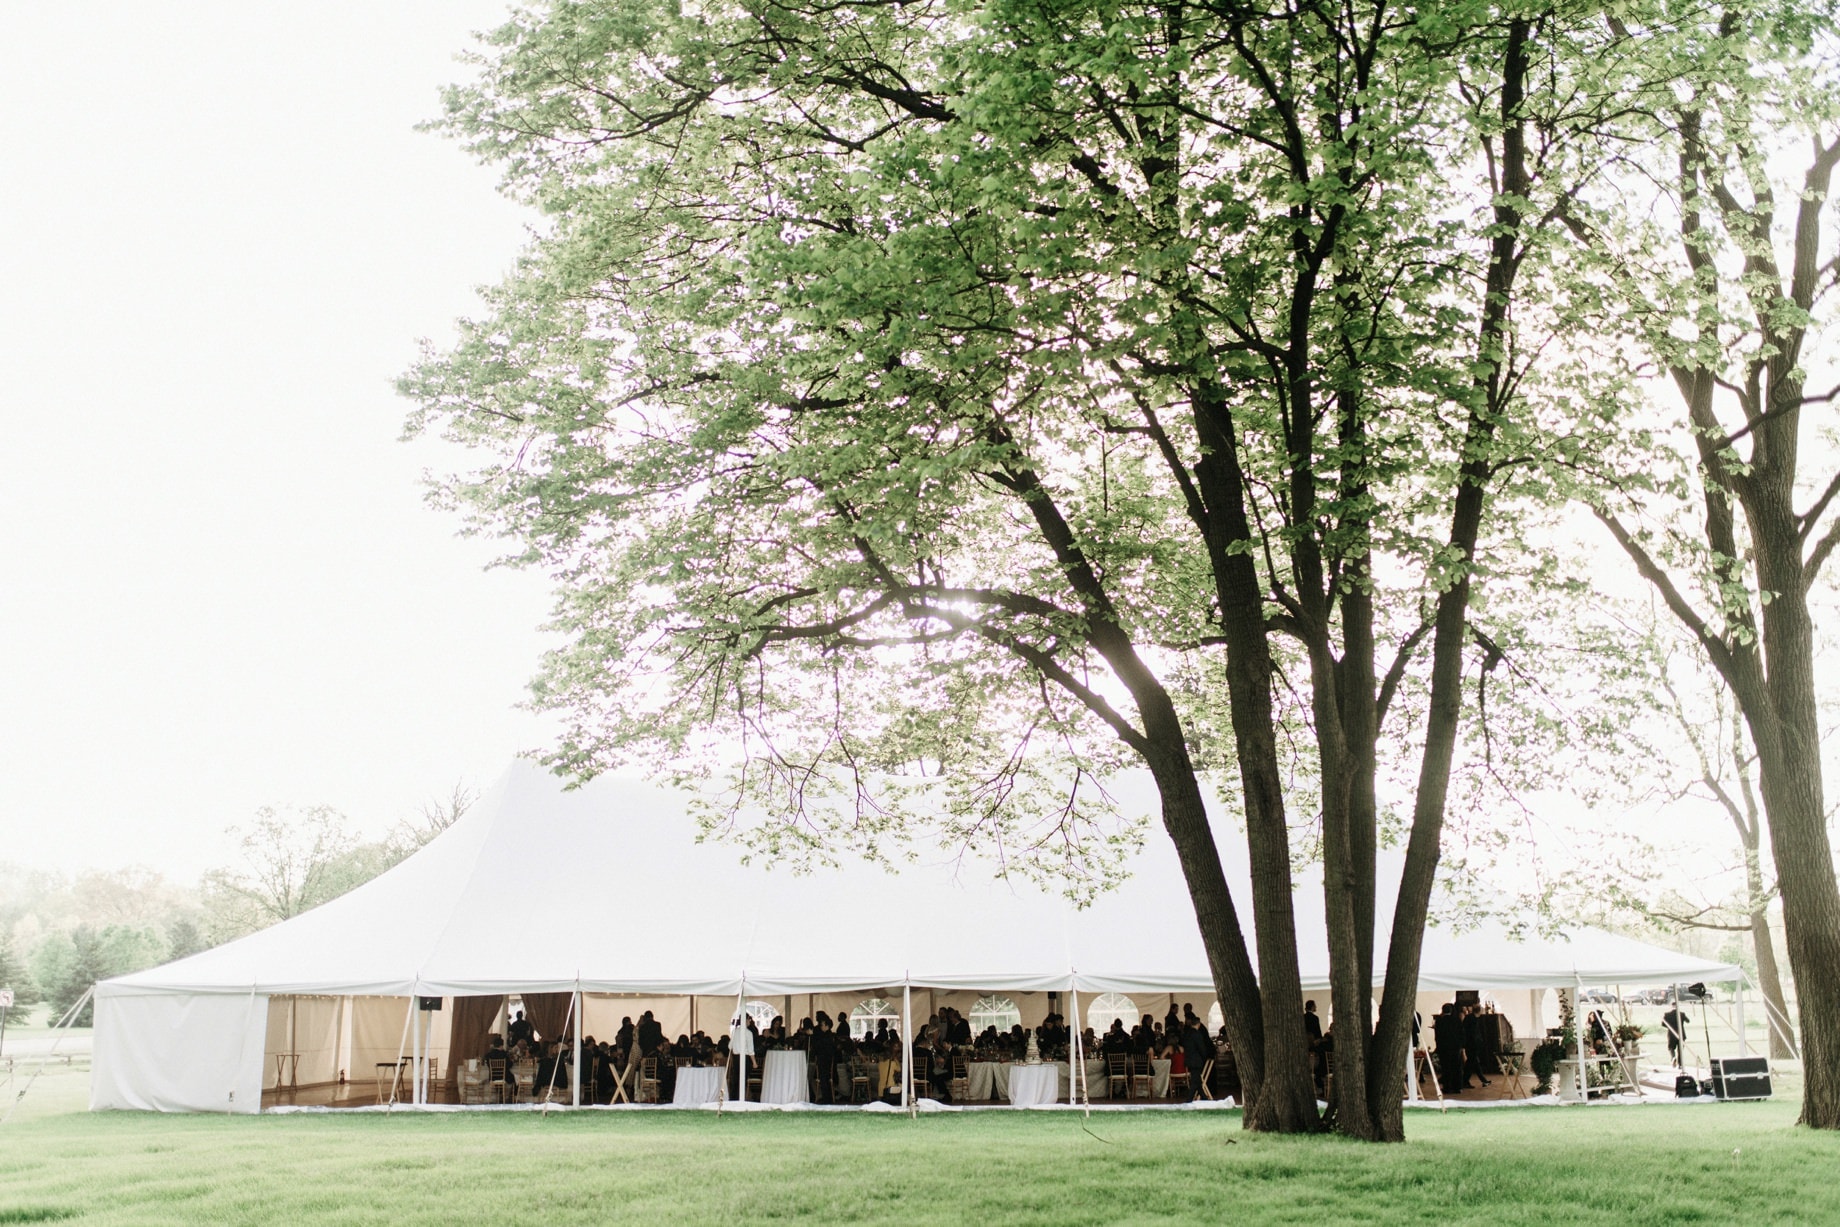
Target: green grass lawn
(1627, 1165)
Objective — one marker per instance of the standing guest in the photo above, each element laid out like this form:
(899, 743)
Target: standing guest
(1197, 1051)
(1313, 1035)
(1674, 1024)
(1472, 1046)
(824, 1059)
(650, 1034)
(1447, 1034)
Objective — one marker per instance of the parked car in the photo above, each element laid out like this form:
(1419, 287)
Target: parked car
(1600, 996)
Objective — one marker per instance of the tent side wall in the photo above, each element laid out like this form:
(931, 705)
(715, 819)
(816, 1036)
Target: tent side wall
(178, 1052)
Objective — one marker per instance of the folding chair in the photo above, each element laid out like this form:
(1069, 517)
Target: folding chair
(496, 1085)
(961, 1080)
(524, 1073)
(1117, 1075)
(1201, 1086)
(648, 1080)
(859, 1082)
(1178, 1079)
(1143, 1078)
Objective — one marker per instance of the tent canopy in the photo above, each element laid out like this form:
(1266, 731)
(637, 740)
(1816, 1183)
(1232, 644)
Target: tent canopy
(606, 888)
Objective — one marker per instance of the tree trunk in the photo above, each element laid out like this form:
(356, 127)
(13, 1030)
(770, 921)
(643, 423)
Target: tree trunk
(1769, 982)
(1788, 744)
(1185, 819)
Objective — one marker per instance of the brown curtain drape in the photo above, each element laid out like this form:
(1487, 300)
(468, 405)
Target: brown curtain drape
(549, 1014)
(472, 1023)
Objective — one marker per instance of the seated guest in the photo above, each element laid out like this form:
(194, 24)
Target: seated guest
(552, 1068)
(1116, 1041)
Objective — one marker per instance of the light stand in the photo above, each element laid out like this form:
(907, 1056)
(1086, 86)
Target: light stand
(1705, 1022)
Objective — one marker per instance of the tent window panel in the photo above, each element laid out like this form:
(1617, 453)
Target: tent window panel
(868, 1013)
(1216, 1020)
(999, 1012)
(763, 1013)
(1109, 1007)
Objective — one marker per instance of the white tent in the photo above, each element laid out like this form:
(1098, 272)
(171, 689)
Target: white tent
(605, 891)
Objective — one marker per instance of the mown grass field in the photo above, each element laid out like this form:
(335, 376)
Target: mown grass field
(1659, 1165)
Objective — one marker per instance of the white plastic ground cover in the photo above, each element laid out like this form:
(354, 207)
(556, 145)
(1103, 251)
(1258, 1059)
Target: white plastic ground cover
(607, 889)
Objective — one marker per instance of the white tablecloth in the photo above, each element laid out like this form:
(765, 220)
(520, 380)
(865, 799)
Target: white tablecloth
(1033, 1084)
(696, 1086)
(783, 1079)
(988, 1079)
(1095, 1079)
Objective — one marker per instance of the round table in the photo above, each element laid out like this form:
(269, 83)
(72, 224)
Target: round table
(698, 1085)
(783, 1078)
(1033, 1084)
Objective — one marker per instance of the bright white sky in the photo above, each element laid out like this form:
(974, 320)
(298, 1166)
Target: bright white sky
(219, 588)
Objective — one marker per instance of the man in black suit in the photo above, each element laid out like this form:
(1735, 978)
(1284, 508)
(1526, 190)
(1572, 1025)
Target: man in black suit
(824, 1058)
(651, 1035)
(1447, 1034)
(1197, 1051)
(1674, 1024)
(1473, 1066)
(1313, 1035)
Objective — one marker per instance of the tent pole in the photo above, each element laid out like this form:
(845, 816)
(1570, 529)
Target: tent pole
(1578, 1026)
(575, 1068)
(1079, 1092)
(1744, 1045)
(907, 1045)
(402, 1045)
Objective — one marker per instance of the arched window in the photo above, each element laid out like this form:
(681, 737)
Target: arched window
(867, 1013)
(998, 1012)
(1216, 1020)
(1108, 1006)
(763, 1013)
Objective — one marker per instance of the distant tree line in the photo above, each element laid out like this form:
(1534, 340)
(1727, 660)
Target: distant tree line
(59, 935)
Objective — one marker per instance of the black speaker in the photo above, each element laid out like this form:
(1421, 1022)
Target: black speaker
(429, 1003)
(1741, 1077)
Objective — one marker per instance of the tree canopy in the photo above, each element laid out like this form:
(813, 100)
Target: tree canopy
(925, 408)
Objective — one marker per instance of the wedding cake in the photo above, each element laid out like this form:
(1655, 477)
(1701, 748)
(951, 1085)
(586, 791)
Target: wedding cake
(1033, 1055)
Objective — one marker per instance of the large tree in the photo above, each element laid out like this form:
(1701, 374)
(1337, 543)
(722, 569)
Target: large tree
(1728, 288)
(946, 402)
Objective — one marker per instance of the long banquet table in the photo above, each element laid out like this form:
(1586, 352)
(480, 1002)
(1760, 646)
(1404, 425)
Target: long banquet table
(698, 1085)
(783, 1078)
(990, 1080)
